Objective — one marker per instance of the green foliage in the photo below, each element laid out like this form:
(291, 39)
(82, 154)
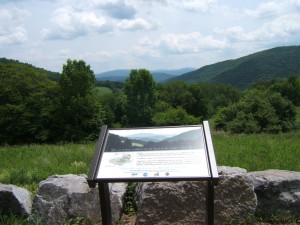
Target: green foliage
(289, 88)
(80, 113)
(209, 98)
(197, 100)
(79, 221)
(49, 74)
(257, 112)
(174, 116)
(129, 208)
(12, 219)
(114, 106)
(140, 89)
(27, 103)
(176, 94)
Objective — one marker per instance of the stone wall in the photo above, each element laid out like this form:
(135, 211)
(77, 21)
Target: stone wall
(239, 194)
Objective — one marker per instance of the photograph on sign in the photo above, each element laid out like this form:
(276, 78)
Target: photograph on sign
(172, 152)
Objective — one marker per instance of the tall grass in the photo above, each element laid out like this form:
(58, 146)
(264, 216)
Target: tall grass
(27, 165)
(259, 151)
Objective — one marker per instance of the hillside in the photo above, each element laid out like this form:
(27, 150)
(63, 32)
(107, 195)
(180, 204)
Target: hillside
(52, 75)
(158, 75)
(243, 72)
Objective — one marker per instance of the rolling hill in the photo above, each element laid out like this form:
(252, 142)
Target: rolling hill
(243, 72)
(51, 75)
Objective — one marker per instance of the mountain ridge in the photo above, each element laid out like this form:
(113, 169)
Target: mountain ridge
(243, 72)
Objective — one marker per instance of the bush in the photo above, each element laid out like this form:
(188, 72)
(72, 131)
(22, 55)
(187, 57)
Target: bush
(257, 112)
(173, 117)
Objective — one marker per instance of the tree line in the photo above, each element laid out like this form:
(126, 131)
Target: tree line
(37, 109)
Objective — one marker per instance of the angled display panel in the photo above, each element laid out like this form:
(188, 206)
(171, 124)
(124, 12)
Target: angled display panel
(158, 153)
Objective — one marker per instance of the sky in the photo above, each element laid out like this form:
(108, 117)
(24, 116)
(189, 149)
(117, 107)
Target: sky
(151, 34)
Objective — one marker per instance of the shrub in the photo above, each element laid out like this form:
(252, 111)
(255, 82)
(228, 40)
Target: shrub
(257, 112)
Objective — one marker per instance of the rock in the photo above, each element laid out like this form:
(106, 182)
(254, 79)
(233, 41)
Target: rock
(278, 191)
(64, 197)
(117, 195)
(234, 196)
(15, 200)
(184, 202)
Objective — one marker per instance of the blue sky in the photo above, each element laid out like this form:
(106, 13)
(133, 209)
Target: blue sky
(151, 34)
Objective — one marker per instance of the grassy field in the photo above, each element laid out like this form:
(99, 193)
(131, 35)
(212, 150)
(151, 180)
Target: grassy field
(259, 151)
(27, 165)
(104, 90)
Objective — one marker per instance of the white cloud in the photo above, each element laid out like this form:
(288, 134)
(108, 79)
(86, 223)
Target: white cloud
(15, 35)
(71, 23)
(189, 5)
(197, 5)
(265, 10)
(136, 24)
(187, 43)
(272, 9)
(12, 30)
(281, 28)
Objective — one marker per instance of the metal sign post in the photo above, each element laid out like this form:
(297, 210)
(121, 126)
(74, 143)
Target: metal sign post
(133, 155)
(105, 203)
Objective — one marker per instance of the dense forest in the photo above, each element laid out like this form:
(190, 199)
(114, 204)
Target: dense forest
(38, 106)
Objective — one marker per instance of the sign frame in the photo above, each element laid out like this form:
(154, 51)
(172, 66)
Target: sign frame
(212, 178)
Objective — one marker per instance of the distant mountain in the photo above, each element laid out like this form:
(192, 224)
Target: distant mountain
(243, 72)
(158, 75)
(175, 72)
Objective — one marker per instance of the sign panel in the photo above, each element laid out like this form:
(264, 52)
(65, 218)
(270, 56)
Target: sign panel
(157, 153)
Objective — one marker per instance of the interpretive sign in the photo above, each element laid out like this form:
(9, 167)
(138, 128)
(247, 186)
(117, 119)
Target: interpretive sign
(163, 153)
(154, 154)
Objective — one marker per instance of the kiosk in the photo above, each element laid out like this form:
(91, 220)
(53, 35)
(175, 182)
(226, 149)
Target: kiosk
(177, 153)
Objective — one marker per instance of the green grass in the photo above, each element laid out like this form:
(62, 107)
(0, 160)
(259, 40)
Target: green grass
(258, 151)
(27, 165)
(103, 90)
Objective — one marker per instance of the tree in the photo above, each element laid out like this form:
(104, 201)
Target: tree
(289, 88)
(257, 112)
(140, 89)
(114, 106)
(176, 94)
(80, 112)
(28, 101)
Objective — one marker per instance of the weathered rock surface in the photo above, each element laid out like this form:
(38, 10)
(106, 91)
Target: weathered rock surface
(117, 195)
(278, 191)
(185, 202)
(15, 200)
(62, 197)
(234, 196)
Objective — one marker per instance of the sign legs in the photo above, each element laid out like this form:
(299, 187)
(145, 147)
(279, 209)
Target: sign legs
(210, 203)
(105, 203)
